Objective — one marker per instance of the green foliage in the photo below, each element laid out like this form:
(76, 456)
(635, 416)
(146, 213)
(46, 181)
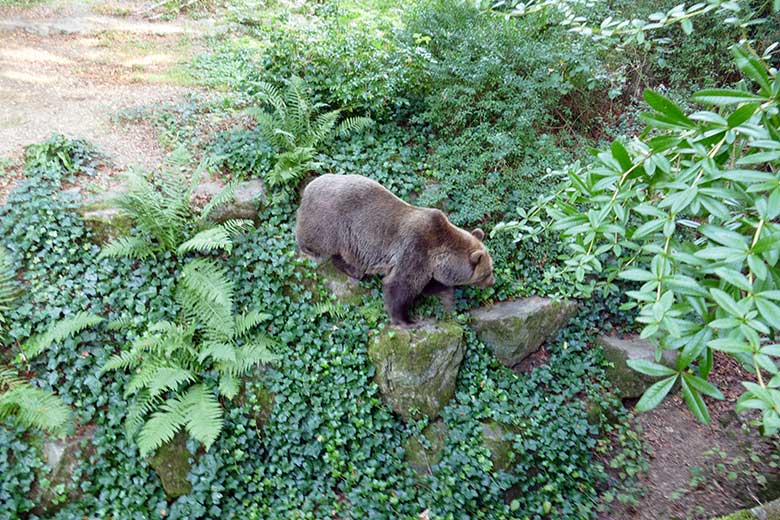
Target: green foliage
(66, 157)
(241, 151)
(689, 213)
(171, 361)
(496, 90)
(295, 127)
(165, 222)
(9, 290)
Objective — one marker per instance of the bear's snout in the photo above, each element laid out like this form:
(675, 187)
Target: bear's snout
(487, 282)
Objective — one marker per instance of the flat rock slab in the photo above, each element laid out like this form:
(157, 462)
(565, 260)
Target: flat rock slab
(416, 368)
(248, 196)
(515, 329)
(63, 458)
(617, 351)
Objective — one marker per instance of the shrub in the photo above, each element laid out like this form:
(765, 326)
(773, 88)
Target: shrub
(690, 212)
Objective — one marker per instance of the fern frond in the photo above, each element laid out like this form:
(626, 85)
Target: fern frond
(236, 226)
(169, 378)
(144, 375)
(203, 414)
(207, 240)
(249, 320)
(227, 194)
(332, 309)
(271, 95)
(228, 385)
(142, 405)
(128, 247)
(58, 332)
(353, 124)
(9, 288)
(119, 323)
(163, 425)
(121, 361)
(9, 378)
(206, 296)
(322, 127)
(219, 351)
(35, 408)
(254, 353)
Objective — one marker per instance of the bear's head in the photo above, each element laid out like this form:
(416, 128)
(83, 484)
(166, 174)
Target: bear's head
(481, 262)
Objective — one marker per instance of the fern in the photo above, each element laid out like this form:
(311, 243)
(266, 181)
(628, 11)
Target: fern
(203, 415)
(35, 408)
(59, 332)
(294, 125)
(165, 221)
(170, 361)
(9, 288)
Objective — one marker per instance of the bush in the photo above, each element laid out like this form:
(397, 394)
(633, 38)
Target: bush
(690, 213)
(496, 89)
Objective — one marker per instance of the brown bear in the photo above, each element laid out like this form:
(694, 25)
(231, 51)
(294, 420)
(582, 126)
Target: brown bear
(365, 229)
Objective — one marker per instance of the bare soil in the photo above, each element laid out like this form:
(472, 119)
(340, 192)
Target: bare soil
(69, 67)
(702, 471)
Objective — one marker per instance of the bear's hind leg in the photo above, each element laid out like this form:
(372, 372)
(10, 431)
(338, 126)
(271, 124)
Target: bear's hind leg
(346, 268)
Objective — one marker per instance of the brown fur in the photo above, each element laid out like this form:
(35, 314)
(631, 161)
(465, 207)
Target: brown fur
(366, 229)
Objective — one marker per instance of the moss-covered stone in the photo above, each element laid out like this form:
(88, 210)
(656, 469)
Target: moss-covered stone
(618, 352)
(497, 438)
(422, 458)
(346, 290)
(515, 329)
(248, 197)
(67, 460)
(416, 368)
(768, 511)
(172, 463)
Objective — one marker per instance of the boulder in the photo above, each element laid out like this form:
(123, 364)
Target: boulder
(768, 511)
(416, 368)
(424, 451)
(344, 288)
(66, 459)
(102, 217)
(248, 196)
(497, 438)
(515, 329)
(617, 351)
(172, 463)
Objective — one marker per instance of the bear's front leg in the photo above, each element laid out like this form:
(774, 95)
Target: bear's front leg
(399, 295)
(445, 293)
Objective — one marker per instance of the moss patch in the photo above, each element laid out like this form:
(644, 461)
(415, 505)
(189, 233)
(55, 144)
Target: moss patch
(172, 464)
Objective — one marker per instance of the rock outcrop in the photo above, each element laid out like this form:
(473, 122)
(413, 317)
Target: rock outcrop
(515, 329)
(416, 368)
(619, 351)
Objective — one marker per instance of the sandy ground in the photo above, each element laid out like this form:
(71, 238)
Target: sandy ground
(66, 68)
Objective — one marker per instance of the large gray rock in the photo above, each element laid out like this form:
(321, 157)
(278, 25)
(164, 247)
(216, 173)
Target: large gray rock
(249, 196)
(102, 217)
(66, 459)
(416, 368)
(515, 329)
(619, 351)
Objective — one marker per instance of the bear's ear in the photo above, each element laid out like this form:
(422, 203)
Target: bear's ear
(475, 257)
(478, 233)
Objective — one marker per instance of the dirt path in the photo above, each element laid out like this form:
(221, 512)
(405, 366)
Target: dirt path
(67, 67)
(701, 471)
